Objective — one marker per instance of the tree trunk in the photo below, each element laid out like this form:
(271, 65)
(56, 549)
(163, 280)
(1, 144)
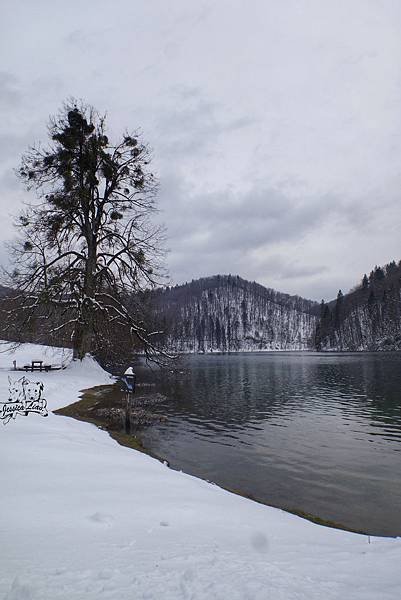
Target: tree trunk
(82, 337)
(81, 341)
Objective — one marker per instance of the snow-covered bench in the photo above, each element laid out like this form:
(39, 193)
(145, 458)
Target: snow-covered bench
(37, 365)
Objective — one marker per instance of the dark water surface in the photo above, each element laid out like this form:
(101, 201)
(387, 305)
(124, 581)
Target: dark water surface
(320, 433)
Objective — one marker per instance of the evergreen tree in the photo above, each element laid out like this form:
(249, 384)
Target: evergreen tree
(391, 268)
(365, 282)
(338, 308)
(379, 274)
(371, 299)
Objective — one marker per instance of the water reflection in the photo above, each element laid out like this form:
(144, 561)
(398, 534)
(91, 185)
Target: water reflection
(316, 432)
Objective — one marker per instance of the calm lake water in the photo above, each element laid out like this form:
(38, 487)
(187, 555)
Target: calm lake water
(320, 433)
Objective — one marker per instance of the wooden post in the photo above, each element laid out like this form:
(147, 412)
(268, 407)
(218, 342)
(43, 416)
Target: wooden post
(128, 413)
(15, 365)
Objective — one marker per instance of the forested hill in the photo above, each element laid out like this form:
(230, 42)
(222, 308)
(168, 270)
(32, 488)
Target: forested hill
(367, 318)
(227, 313)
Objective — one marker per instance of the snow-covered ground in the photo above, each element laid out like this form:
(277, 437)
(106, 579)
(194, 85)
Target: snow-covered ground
(82, 517)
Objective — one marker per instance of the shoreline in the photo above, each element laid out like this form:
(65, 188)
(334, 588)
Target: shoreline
(327, 351)
(115, 523)
(81, 411)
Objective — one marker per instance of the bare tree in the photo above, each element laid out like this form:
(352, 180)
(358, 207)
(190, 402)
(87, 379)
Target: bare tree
(88, 244)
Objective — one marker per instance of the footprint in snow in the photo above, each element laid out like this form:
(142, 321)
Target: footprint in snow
(101, 519)
(105, 574)
(259, 542)
(19, 591)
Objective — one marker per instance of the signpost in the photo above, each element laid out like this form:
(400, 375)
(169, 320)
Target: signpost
(128, 380)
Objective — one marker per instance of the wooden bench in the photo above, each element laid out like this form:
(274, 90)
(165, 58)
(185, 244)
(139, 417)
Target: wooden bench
(37, 365)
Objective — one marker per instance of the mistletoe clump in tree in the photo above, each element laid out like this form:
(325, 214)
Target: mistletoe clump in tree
(88, 245)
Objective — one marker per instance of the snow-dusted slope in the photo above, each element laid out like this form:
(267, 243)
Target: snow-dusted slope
(227, 313)
(367, 318)
(81, 517)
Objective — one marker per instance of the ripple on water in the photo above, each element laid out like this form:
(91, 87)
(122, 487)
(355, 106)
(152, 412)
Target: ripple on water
(313, 432)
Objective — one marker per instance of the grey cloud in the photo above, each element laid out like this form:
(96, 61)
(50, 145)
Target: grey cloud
(259, 217)
(278, 151)
(9, 92)
(12, 145)
(9, 181)
(193, 121)
(297, 270)
(219, 232)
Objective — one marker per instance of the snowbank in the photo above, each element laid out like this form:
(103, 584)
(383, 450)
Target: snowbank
(82, 517)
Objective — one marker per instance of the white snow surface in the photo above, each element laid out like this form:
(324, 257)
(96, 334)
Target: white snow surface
(82, 517)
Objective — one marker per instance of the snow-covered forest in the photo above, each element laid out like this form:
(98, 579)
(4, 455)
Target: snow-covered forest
(226, 313)
(367, 318)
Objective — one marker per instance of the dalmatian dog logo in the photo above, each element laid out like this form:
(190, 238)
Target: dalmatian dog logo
(24, 397)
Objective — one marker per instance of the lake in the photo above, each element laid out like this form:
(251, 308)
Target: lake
(312, 432)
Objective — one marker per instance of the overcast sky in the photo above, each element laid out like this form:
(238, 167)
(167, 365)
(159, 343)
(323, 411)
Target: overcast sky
(275, 124)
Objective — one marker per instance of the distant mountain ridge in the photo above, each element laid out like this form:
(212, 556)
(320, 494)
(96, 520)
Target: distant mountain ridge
(227, 313)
